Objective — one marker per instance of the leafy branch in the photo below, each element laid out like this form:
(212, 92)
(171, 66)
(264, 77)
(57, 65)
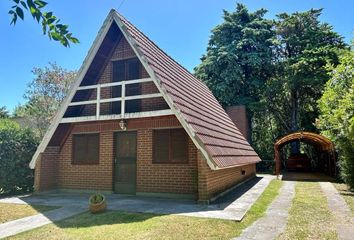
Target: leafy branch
(51, 25)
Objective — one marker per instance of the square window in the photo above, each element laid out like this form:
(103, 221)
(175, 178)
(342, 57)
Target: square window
(86, 148)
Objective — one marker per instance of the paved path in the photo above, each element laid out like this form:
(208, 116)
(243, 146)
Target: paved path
(274, 222)
(232, 206)
(24, 224)
(340, 210)
(235, 209)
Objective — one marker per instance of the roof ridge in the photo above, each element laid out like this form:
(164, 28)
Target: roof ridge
(164, 52)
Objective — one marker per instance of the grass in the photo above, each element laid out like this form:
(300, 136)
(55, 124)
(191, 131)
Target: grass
(309, 216)
(10, 211)
(346, 194)
(123, 225)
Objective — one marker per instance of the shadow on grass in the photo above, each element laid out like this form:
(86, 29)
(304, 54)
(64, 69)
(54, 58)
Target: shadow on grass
(87, 219)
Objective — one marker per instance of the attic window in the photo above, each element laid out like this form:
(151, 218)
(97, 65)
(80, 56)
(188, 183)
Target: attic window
(127, 69)
(170, 146)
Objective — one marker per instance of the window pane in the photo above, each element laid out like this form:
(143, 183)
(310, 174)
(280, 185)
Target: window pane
(179, 147)
(79, 143)
(118, 71)
(161, 146)
(92, 148)
(133, 69)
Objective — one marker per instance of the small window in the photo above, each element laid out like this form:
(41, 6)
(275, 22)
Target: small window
(170, 146)
(127, 69)
(86, 148)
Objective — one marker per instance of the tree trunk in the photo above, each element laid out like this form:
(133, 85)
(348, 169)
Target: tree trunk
(295, 146)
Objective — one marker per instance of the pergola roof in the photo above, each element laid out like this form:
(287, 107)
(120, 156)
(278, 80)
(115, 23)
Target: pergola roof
(312, 138)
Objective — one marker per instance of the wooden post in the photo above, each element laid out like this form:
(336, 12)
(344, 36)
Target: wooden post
(122, 110)
(98, 99)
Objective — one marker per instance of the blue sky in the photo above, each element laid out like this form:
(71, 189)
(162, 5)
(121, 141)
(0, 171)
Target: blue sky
(180, 27)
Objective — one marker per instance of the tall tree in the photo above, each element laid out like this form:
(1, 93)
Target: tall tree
(336, 106)
(3, 112)
(239, 58)
(306, 46)
(44, 95)
(51, 25)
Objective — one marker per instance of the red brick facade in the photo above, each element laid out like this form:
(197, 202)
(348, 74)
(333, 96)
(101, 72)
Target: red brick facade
(213, 182)
(195, 178)
(55, 170)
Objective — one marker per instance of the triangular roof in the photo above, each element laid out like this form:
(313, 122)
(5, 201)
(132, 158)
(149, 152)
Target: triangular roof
(194, 105)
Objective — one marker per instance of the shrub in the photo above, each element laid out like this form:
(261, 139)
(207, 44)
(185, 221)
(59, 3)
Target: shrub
(17, 145)
(337, 114)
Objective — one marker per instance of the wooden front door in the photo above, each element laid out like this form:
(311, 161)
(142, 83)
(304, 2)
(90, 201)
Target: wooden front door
(125, 163)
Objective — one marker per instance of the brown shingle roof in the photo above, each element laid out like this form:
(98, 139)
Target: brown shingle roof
(197, 105)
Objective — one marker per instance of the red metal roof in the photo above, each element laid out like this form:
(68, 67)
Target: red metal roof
(197, 105)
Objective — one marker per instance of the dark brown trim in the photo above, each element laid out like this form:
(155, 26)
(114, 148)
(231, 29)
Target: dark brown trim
(73, 162)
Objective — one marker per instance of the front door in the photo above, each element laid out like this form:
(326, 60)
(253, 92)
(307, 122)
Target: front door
(125, 163)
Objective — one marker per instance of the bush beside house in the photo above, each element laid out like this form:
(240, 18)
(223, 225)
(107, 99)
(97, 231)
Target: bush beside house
(17, 146)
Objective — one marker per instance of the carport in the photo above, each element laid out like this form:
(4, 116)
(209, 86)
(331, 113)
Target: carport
(324, 148)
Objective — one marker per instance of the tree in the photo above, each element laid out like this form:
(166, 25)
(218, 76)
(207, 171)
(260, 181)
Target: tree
(44, 95)
(336, 119)
(306, 46)
(51, 24)
(239, 58)
(3, 112)
(17, 145)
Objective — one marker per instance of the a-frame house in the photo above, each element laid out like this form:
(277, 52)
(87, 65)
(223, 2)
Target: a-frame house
(137, 122)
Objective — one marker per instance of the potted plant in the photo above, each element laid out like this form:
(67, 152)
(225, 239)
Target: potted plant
(97, 203)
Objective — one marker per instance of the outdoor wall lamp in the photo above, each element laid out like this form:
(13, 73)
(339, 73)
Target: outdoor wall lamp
(123, 124)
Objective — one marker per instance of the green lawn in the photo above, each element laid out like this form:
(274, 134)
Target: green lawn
(309, 216)
(346, 194)
(123, 225)
(9, 212)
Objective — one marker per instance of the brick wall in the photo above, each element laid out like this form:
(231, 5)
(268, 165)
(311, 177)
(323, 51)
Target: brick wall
(46, 171)
(55, 170)
(164, 178)
(87, 176)
(157, 178)
(211, 183)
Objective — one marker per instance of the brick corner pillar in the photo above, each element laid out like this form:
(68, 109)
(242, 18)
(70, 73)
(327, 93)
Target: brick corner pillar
(46, 170)
(203, 194)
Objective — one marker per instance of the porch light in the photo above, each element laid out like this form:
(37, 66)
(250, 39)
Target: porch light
(123, 124)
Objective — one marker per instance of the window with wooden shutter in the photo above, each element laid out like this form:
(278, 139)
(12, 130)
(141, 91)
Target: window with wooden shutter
(170, 146)
(86, 148)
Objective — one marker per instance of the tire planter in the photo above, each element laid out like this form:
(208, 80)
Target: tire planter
(97, 207)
